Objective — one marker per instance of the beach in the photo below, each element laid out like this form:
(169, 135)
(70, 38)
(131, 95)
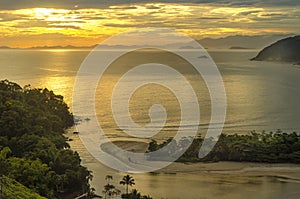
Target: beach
(234, 179)
(288, 171)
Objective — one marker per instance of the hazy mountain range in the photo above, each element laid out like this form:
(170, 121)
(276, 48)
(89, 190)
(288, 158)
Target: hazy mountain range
(230, 42)
(256, 42)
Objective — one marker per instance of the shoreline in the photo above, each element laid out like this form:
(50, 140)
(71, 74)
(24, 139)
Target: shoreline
(191, 176)
(283, 171)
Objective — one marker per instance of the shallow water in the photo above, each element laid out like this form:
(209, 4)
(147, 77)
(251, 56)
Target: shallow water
(194, 185)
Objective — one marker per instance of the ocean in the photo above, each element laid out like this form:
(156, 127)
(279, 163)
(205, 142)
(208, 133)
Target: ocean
(261, 96)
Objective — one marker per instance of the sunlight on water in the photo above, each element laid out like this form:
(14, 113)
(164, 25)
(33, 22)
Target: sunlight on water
(261, 96)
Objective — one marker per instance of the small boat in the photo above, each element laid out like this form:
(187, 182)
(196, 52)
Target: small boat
(75, 132)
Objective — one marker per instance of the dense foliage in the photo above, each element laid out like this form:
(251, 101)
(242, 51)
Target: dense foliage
(264, 147)
(33, 149)
(11, 189)
(135, 194)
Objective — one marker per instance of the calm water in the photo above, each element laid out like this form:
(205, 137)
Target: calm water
(260, 96)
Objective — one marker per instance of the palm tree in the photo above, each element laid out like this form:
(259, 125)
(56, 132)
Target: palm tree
(127, 181)
(109, 189)
(108, 178)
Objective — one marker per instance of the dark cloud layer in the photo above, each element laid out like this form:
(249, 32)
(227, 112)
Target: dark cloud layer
(73, 4)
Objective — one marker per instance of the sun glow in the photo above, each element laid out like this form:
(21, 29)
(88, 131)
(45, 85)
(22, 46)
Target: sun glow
(42, 12)
(49, 14)
(84, 26)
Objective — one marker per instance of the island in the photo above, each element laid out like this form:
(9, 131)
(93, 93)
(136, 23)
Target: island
(285, 50)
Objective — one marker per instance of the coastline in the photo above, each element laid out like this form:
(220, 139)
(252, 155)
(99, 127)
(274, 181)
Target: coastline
(283, 171)
(190, 176)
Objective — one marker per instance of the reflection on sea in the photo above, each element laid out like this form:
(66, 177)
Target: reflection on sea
(261, 96)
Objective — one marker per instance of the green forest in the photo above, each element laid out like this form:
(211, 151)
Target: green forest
(33, 149)
(272, 147)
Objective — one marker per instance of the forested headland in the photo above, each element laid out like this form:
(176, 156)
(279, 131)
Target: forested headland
(33, 149)
(272, 147)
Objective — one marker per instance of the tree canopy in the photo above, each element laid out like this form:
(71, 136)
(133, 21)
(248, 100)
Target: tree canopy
(33, 149)
(278, 147)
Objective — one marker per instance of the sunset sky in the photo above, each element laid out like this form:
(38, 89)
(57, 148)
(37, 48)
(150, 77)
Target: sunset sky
(27, 23)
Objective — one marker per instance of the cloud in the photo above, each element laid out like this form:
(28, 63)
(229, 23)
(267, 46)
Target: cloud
(66, 27)
(210, 18)
(154, 7)
(274, 15)
(206, 18)
(79, 4)
(119, 25)
(246, 13)
(50, 39)
(123, 7)
(7, 17)
(32, 23)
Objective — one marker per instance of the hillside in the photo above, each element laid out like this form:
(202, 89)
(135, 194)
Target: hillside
(33, 148)
(12, 189)
(250, 42)
(285, 50)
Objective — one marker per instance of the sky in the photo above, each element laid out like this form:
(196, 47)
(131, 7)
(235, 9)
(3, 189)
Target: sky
(28, 23)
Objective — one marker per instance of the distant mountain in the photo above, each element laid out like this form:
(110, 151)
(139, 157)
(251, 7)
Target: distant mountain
(61, 47)
(238, 48)
(230, 42)
(4, 47)
(285, 50)
(253, 42)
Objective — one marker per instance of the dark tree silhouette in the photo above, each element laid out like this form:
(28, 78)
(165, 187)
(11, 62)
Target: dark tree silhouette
(109, 189)
(127, 181)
